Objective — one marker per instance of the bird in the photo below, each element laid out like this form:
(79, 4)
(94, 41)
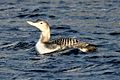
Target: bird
(45, 45)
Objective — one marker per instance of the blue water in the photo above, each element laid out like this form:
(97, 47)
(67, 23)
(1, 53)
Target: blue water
(94, 21)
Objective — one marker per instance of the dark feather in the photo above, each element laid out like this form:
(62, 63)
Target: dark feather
(65, 43)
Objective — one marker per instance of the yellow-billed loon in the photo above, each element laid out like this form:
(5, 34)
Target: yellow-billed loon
(45, 45)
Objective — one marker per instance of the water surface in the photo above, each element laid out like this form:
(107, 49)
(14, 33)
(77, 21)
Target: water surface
(94, 21)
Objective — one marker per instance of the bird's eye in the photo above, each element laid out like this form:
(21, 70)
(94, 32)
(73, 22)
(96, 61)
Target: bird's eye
(41, 23)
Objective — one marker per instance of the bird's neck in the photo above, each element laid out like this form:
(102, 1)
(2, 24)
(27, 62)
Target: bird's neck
(45, 36)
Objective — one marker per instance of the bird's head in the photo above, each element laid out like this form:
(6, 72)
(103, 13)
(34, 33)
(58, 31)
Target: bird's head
(40, 24)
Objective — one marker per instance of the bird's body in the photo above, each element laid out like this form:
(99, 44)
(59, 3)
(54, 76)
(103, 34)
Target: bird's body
(45, 45)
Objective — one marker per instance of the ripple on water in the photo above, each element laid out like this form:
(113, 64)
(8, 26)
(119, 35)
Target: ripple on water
(94, 21)
(17, 46)
(114, 33)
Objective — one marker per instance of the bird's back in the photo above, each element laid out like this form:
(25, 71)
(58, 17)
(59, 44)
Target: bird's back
(65, 43)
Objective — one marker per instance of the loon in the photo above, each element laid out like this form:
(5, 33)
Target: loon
(45, 45)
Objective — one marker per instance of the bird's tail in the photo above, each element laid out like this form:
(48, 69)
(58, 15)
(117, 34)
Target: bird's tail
(86, 47)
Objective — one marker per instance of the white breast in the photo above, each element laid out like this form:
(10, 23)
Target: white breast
(43, 50)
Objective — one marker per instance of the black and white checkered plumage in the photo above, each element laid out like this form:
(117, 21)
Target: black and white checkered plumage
(45, 45)
(68, 43)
